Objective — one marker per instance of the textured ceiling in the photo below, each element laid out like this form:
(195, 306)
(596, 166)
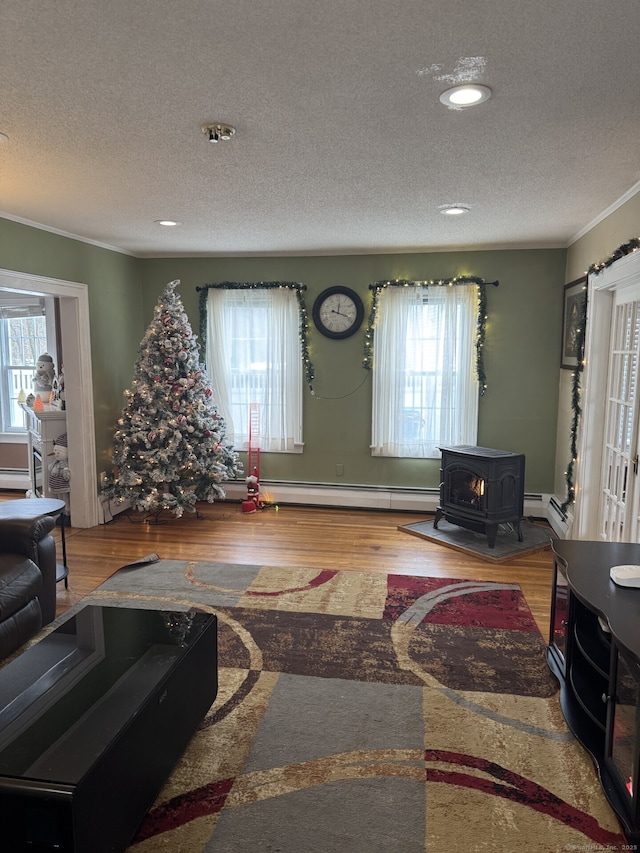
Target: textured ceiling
(342, 145)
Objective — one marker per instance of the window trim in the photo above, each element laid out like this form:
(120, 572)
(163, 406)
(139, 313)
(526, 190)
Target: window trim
(303, 331)
(481, 322)
(307, 371)
(386, 442)
(6, 367)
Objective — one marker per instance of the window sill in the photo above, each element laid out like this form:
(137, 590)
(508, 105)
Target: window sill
(13, 437)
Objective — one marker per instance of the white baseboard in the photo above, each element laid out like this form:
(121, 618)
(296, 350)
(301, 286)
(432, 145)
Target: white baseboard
(14, 478)
(397, 499)
(329, 495)
(361, 497)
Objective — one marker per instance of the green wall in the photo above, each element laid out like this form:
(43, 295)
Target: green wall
(622, 225)
(115, 304)
(518, 411)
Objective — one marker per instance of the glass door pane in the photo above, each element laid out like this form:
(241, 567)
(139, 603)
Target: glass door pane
(620, 460)
(560, 613)
(624, 745)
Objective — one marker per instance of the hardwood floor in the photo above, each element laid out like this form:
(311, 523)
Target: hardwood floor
(350, 540)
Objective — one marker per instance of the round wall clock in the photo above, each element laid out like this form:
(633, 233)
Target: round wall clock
(338, 312)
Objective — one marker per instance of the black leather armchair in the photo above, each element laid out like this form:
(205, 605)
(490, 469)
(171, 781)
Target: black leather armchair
(27, 579)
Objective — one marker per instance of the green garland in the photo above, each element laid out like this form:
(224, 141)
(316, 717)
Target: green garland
(481, 332)
(263, 285)
(481, 326)
(632, 246)
(627, 248)
(576, 408)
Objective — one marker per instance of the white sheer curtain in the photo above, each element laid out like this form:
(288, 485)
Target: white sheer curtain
(253, 356)
(425, 387)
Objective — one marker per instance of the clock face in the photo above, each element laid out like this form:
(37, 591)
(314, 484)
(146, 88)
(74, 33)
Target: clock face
(338, 312)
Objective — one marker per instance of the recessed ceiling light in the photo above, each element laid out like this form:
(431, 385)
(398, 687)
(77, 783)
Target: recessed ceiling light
(168, 223)
(454, 209)
(467, 95)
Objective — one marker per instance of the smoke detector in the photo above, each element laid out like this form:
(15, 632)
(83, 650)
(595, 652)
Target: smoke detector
(218, 132)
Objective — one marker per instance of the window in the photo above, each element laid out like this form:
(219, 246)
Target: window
(425, 389)
(253, 356)
(23, 337)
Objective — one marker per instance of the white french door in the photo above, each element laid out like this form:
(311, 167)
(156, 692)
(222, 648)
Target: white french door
(607, 505)
(619, 492)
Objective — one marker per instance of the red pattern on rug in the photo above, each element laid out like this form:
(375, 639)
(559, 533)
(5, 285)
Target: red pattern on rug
(200, 802)
(494, 608)
(520, 790)
(320, 579)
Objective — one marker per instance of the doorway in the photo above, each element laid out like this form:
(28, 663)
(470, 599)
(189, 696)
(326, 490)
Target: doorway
(75, 331)
(608, 487)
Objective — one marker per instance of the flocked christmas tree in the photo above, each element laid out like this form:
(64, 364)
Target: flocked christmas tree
(170, 449)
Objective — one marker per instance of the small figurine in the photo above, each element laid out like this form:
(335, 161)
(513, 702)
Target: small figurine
(42, 380)
(62, 400)
(59, 468)
(252, 502)
(57, 390)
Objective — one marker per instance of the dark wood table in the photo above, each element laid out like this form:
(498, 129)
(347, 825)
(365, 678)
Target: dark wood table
(34, 508)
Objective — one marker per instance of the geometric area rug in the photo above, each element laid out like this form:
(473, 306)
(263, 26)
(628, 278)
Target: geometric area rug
(535, 537)
(362, 713)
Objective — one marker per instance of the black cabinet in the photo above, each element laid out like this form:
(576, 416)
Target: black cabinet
(559, 616)
(594, 652)
(93, 718)
(622, 744)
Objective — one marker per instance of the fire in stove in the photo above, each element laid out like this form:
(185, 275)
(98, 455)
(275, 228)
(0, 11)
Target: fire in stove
(467, 489)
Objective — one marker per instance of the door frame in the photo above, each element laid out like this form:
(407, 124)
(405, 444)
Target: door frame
(75, 329)
(624, 273)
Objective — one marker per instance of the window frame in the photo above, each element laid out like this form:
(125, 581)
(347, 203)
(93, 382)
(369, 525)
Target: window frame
(388, 414)
(290, 363)
(9, 393)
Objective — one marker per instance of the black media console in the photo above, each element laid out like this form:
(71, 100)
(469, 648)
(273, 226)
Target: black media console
(594, 652)
(92, 720)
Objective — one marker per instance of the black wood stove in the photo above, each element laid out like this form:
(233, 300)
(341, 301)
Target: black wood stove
(480, 489)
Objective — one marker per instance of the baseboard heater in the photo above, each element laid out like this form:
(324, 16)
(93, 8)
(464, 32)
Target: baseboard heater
(391, 498)
(395, 498)
(560, 520)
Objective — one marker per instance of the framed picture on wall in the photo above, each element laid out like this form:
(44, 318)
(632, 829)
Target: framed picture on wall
(575, 299)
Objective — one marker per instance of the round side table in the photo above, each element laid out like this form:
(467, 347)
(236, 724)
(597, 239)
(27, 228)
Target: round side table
(33, 508)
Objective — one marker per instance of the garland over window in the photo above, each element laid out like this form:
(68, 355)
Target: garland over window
(481, 284)
(632, 246)
(263, 285)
